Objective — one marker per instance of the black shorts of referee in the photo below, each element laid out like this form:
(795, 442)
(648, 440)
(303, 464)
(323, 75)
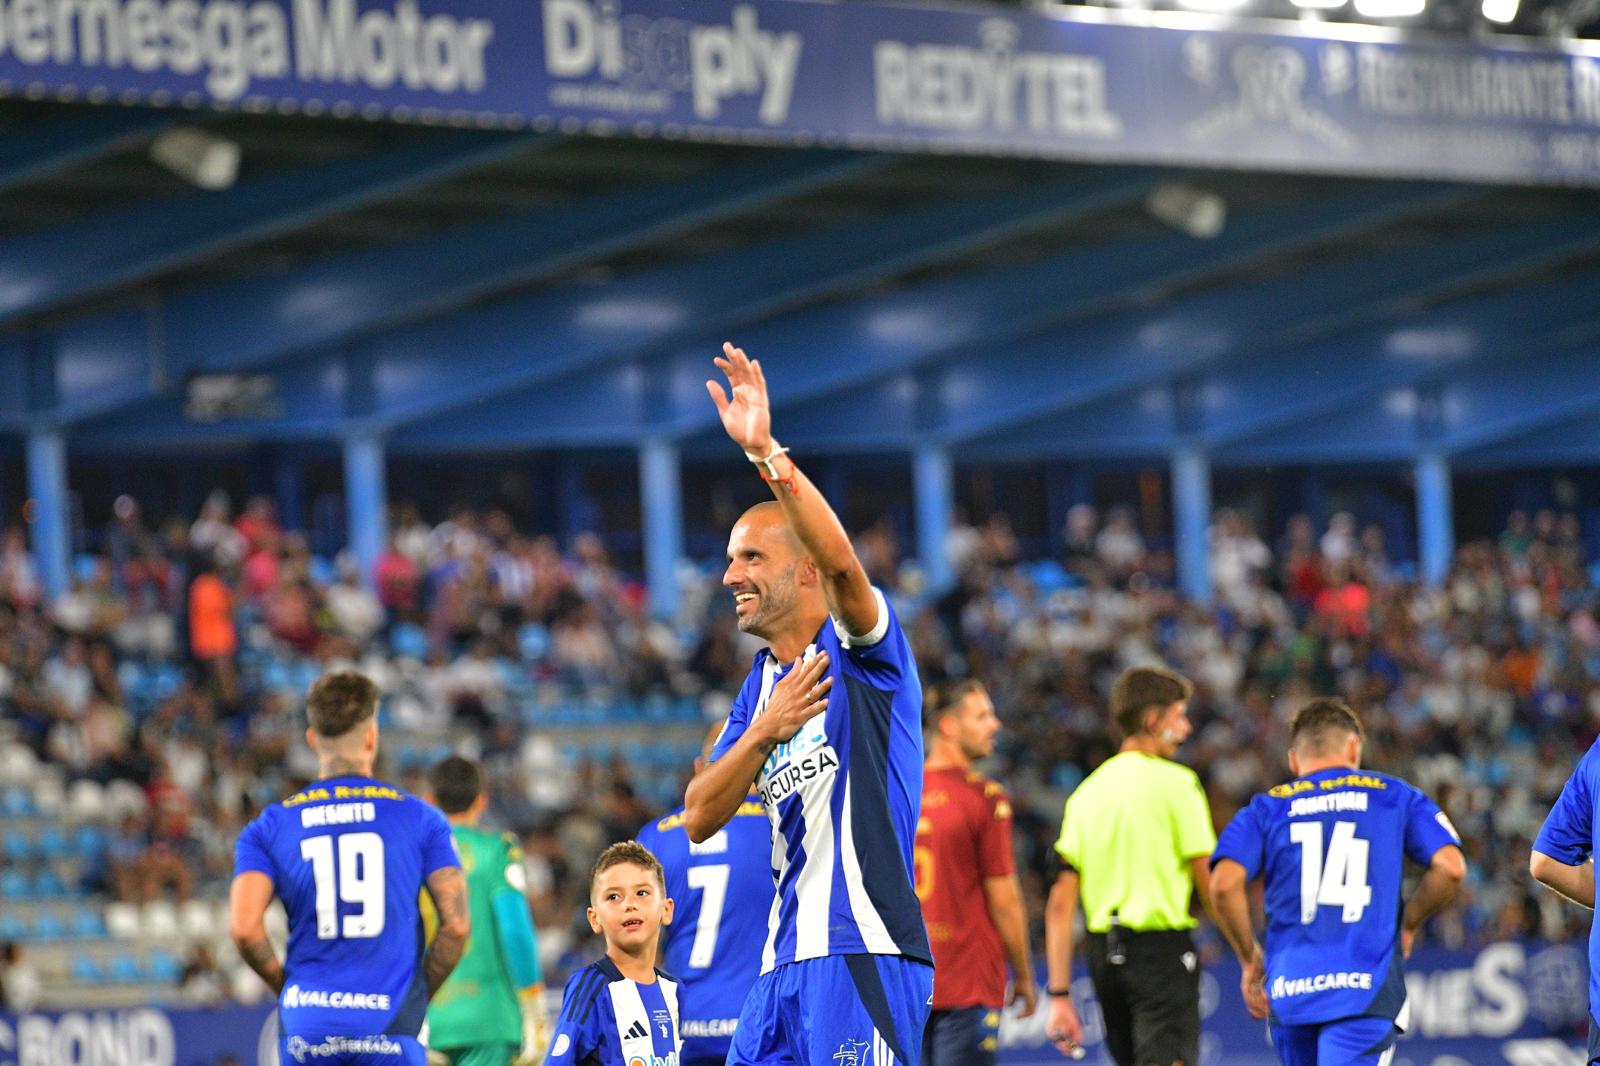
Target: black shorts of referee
(1151, 1000)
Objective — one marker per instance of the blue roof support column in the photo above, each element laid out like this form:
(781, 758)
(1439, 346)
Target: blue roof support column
(1436, 530)
(47, 485)
(661, 493)
(934, 486)
(1191, 505)
(366, 503)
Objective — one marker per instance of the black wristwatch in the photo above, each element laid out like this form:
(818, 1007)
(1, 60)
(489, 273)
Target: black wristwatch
(1059, 993)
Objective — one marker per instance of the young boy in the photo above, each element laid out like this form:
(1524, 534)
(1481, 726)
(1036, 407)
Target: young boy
(621, 1010)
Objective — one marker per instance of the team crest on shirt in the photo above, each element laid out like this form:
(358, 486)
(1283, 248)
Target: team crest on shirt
(850, 1053)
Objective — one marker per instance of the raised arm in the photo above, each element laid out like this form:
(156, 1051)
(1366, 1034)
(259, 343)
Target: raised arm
(247, 913)
(448, 887)
(1574, 882)
(747, 417)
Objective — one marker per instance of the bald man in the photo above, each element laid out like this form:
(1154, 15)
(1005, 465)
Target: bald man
(827, 728)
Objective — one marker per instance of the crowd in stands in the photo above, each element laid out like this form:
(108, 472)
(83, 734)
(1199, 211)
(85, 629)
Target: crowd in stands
(172, 669)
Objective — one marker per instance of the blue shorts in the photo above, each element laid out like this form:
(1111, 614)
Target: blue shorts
(1355, 1041)
(968, 1036)
(843, 1010)
(351, 1051)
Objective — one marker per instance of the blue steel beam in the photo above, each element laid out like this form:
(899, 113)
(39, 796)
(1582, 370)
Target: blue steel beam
(1059, 371)
(526, 344)
(49, 268)
(1530, 390)
(831, 364)
(530, 341)
(1269, 390)
(39, 151)
(1570, 442)
(251, 322)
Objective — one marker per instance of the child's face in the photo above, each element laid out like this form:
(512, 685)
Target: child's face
(628, 907)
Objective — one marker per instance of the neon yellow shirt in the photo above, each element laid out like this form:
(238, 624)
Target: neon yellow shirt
(1130, 830)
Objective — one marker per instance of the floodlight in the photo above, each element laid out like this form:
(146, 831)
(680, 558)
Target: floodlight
(1188, 209)
(1501, 11)
(198, 157)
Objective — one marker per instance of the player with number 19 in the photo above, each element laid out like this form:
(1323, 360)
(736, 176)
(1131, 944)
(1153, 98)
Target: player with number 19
(349, 855)
(1331, 847)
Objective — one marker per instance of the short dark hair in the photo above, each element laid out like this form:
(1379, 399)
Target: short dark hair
(339, 702)
(940, 699)
(625, 851)
(1319, 725)
(1142, 690)
(456, 784)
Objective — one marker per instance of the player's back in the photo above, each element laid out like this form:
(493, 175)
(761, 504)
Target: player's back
(722, 892)
(963, 838)
(348, 857)
(1332, 847)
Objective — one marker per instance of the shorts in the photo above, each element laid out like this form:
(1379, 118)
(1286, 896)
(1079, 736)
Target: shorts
(351, 1051)
(841, 1010)
(481, 1054)
(966, 1036)
(1353, 1041)
(1151, 1001)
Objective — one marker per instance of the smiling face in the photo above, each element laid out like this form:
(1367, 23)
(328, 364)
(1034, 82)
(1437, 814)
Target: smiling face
(628, 906)
(768, 572)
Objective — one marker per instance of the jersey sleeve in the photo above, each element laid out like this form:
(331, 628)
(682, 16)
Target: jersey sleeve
(995, 857)
(738, 719)
(1070, 840)
(1244, 840)
(250, 852)
(438, 843)
(881, 657)
(577, 1031)
(514, 925)
(1567, 835)
(1427, 829)
(1191, 819)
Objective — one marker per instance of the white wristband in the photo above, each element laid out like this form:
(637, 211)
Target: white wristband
(765, 463)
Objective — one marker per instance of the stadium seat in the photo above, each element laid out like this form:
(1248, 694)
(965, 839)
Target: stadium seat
(160, 966)
(408, 641)
(11, 926)
(17, 802)
(89, 843)
(160, 919)
(86, 971)
(19, 847)
(53, 843)
(86, 922)
(124, 969)
(15, 885)
(48, 884)
(49, 926)
(122, 920)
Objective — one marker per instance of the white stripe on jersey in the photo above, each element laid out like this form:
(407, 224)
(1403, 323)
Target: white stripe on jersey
(769, 954)
(628, 1004)
(874, 934)
(669, 992)
(813, 889)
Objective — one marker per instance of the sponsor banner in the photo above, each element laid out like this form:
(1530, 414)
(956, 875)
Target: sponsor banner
(1095, 84)
(141, 1036)
(1512, 1003)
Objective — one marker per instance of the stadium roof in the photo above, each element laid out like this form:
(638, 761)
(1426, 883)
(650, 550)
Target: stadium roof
(462, 289)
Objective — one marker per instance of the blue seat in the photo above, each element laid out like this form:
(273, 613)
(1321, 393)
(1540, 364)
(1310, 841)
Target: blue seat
(533, 640)
(53, 843)
(85, 971)
(47, 884)
(18, 846)
(407, 640)
(89, 843)
(160, 966)
(14, 884)
(47, 926)
(17, 803)
(87, 923)
(12, 927)
(124, 970)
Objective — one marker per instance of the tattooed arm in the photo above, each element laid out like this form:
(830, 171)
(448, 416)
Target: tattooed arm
(247, 907)
(448, 887)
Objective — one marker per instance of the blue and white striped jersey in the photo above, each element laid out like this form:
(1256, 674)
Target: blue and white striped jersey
(843, 797)
(608, 1020)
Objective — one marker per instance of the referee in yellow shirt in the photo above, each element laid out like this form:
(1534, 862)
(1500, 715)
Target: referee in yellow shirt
(1135, 840)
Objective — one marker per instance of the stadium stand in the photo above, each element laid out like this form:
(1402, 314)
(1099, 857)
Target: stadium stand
(128, 763)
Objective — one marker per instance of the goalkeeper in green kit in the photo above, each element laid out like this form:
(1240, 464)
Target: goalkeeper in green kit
(490, 1012)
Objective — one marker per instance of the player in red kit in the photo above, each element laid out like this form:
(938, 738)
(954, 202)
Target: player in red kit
(967, 881)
